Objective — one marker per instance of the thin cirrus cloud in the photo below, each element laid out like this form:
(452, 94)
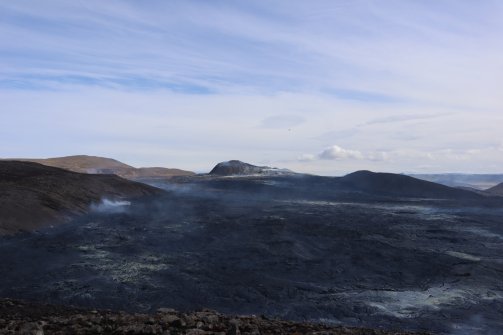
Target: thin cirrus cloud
(350, 132)
(397, 50)
(402, 118)
(282, 121)
(211, 78)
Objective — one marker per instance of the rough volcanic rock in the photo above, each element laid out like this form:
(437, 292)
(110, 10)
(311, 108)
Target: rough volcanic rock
(17, 317)
(33, 195)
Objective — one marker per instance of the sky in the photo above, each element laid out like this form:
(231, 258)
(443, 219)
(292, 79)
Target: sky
(324, 87)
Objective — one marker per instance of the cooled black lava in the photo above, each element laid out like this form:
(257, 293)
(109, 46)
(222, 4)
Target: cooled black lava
(245, 246)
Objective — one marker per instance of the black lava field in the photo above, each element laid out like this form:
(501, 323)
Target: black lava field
(278, 247)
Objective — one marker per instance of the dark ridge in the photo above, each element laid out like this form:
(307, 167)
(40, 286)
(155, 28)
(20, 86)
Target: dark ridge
(236, 167)
(402, 185)
(34, 195)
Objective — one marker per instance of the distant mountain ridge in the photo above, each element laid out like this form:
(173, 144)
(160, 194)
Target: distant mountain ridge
(103, 165)
(360, 182)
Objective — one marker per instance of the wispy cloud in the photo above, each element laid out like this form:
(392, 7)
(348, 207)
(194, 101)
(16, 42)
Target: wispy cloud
(398, 51)
(282, 121)
(402, 118)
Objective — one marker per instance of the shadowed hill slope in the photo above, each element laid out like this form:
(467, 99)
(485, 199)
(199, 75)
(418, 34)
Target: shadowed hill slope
(33, 195)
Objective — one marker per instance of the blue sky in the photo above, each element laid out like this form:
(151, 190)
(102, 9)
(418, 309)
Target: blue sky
(323, 87)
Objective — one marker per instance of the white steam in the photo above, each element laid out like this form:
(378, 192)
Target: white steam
(111, 206)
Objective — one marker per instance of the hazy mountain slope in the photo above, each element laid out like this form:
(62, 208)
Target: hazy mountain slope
(477, 181)
(401, 185)
(102, 165)
(496, 190)
(33, 195)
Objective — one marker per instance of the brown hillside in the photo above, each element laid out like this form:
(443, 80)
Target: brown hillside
(102, 165)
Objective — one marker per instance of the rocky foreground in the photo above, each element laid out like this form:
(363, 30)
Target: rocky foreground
(18, 317)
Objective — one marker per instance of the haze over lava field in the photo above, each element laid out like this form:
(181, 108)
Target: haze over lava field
(291, 246)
